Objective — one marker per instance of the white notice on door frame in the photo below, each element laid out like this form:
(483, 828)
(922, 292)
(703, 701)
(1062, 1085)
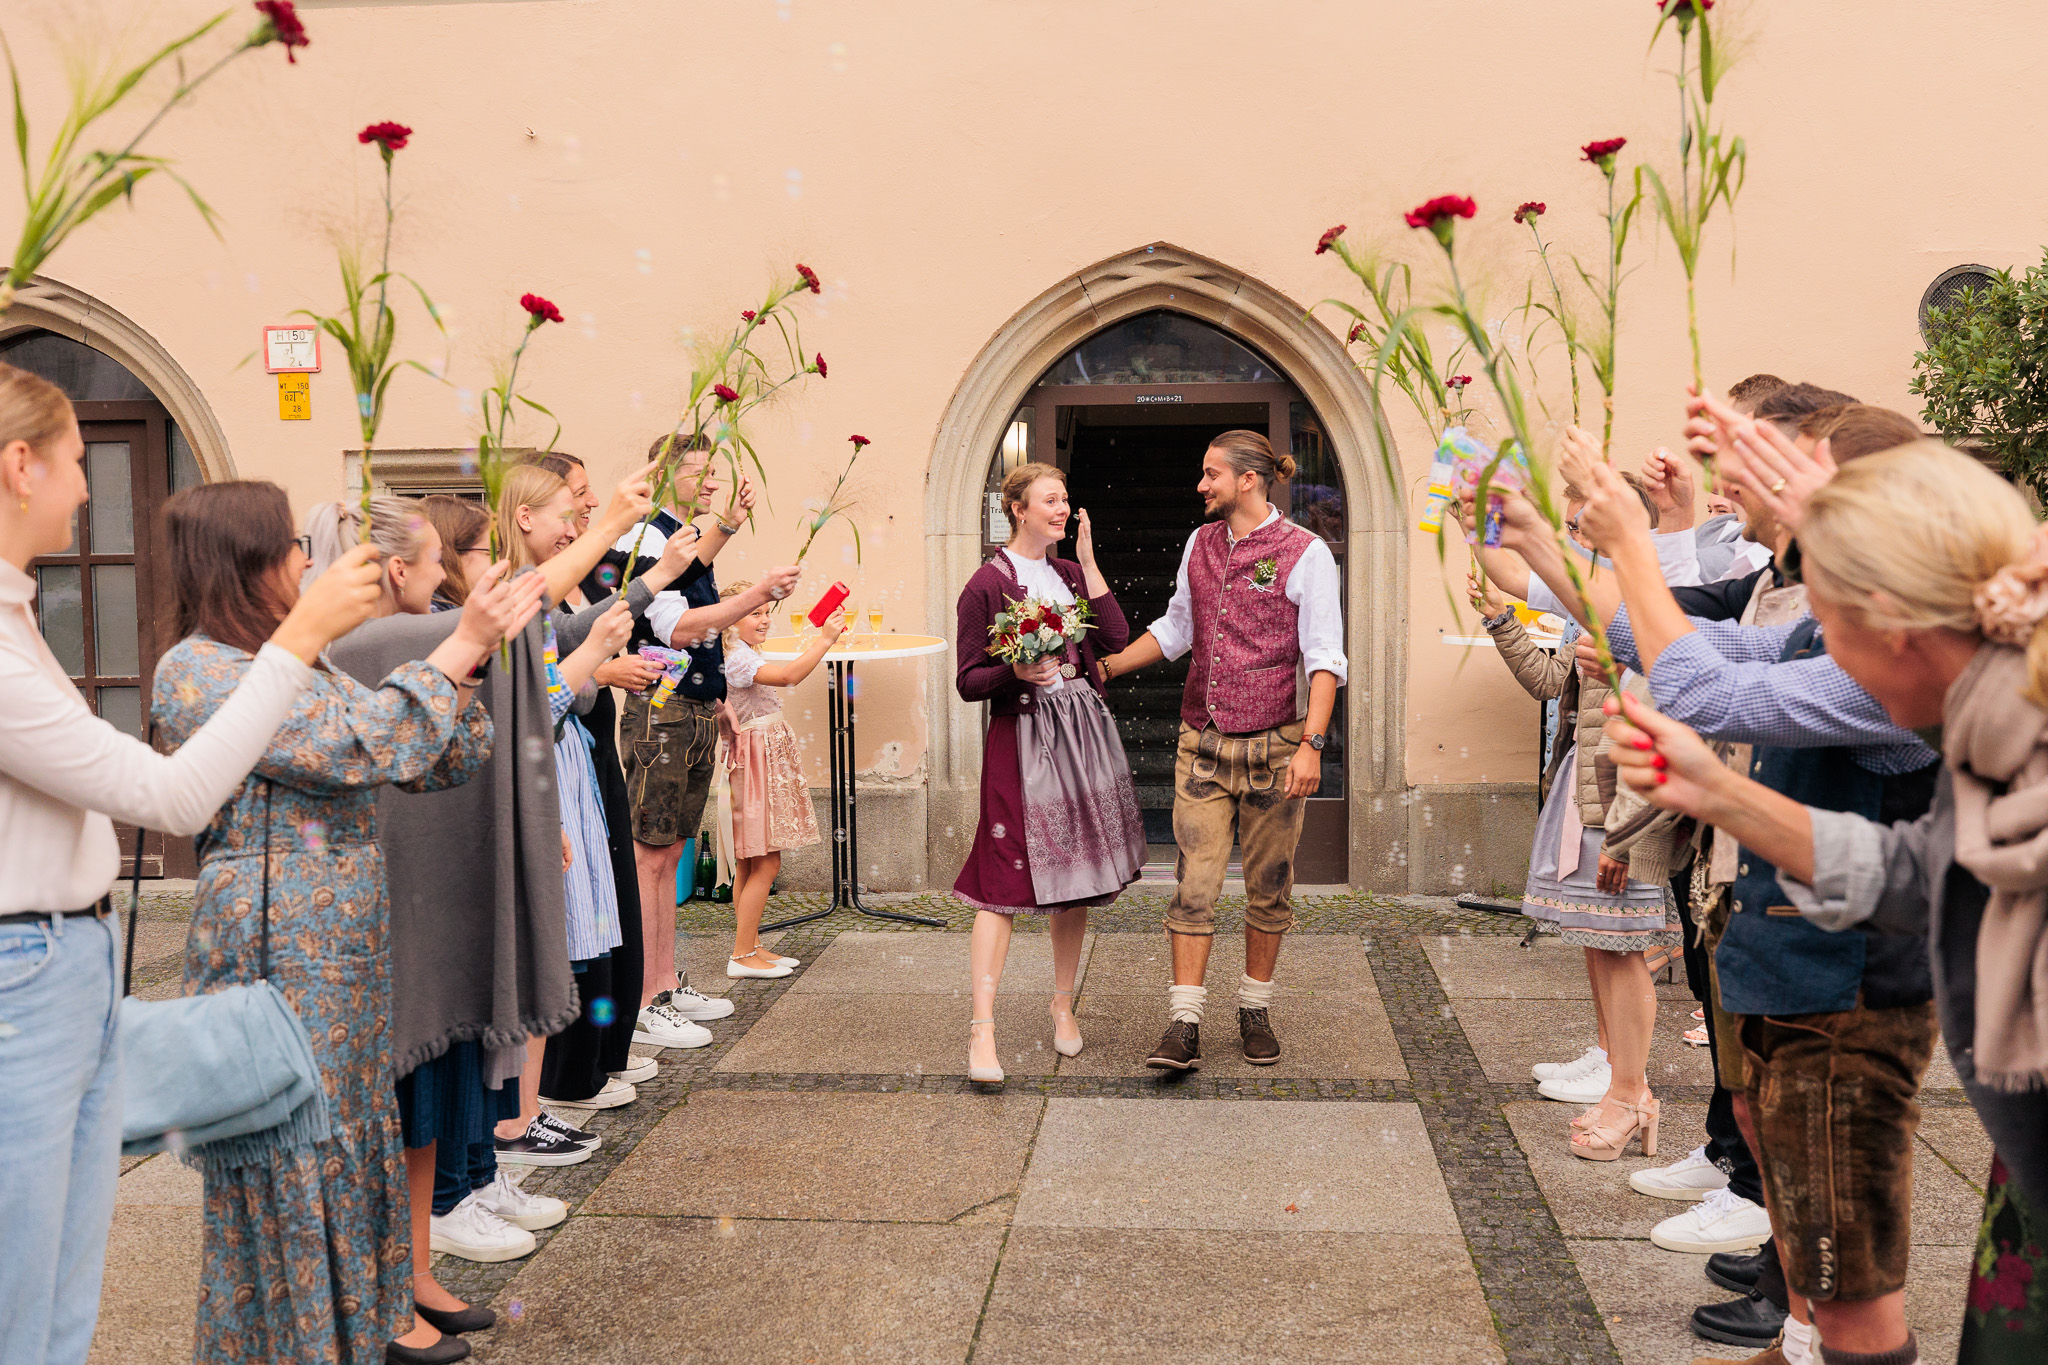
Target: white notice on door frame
(998, 524)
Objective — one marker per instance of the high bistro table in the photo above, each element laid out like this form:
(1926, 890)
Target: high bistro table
(852, 647)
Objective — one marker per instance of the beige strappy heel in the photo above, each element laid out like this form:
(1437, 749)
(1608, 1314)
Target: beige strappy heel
(1606, 1142)
(982, 1075)
(1065, 1049)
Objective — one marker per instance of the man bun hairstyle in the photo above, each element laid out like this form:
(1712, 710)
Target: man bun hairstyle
(1017, 486)
(1249, 452)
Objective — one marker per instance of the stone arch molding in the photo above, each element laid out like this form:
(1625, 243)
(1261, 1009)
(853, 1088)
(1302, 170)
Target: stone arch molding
(53, 306)
(1152, 277)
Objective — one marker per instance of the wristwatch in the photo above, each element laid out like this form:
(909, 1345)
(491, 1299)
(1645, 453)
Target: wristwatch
(1315, 742)
(729, 530)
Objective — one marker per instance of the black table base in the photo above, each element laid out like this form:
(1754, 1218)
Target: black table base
(845, 830)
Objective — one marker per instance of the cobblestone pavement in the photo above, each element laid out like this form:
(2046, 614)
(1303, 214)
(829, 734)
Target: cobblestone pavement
(822, 1182)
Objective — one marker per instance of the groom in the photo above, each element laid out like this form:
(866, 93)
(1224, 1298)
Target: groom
(1259, 601)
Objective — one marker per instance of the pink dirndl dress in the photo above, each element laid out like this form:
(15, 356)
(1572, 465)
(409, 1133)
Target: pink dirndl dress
(764, 804)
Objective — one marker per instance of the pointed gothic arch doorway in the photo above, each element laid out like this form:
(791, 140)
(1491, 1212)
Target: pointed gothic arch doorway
(1121, 375)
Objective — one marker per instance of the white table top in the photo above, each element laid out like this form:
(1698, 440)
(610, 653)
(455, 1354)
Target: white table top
(856, 647)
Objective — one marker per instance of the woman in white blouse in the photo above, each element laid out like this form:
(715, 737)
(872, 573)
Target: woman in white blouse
(65, 775)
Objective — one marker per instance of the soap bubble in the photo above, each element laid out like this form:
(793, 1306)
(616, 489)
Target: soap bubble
(603, 1011)
(644, 260)
(535, 748)
(837, 52)
(314, 833)
(793, 181)
(516, 1309)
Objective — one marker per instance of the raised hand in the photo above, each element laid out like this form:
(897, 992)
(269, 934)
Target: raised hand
(1664, 760)
(498, 609)
(1578, 455)
(333, 604)
(742, 497)
(1613, 513)
(1084, 540)
(631, 501)
(1670, 485)
(1772, 467)
(1481, 593)
(614, 628)
(781, 581)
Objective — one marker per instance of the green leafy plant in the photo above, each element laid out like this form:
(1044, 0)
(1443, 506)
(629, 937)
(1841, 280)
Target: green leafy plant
(1711, 165)
(1409, 363)
(1556, 312)
(75, 183)
(837, 504)
(730, 380)
(493, 456)
(367, 343)
(1984, 374)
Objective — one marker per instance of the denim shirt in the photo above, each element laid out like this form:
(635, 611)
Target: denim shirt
(1772, 959)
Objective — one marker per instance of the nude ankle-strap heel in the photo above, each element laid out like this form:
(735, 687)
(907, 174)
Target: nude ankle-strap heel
(1065, 1049)
(1608, 1141)
(982, 1075)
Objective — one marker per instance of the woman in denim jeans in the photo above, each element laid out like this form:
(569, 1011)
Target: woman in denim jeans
(63, 773)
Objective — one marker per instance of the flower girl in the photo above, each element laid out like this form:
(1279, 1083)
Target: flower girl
(764, 805)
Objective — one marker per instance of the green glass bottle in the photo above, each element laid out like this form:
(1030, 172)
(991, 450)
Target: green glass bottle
(707, 869)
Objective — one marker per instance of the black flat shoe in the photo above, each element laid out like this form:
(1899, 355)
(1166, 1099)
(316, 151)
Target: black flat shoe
(465, 1319)
(1736, 1270)
(1754, 1321)
(440, 1353)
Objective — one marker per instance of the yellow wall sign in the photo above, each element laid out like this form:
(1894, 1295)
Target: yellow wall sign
(295, 397)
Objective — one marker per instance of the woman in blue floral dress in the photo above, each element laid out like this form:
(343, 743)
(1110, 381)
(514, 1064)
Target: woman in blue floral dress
(306, 1253)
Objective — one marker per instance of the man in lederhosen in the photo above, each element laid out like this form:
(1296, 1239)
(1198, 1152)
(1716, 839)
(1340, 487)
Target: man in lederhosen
(1259, 601)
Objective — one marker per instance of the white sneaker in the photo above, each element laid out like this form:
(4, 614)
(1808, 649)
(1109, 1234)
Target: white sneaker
(1571, 1070)
(1723, 1221)
(506, 1201)
(662, 1025)
(474, 1233)
(1690, 1179)
(638, 1070)
(688, 1002)
(615, 1095)
(1587, 1088)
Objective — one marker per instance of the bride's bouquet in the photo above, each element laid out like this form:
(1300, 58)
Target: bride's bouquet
(1027, 631)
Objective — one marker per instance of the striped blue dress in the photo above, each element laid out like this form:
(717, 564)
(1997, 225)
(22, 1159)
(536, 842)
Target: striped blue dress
(592, 896)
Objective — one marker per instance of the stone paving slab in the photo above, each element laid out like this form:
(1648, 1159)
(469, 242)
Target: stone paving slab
(1339, 1035)
(149, 1301)
(1475, 968)
(1510, 1036)
(163, 1181)
(860, 963)
(910, 1158)
(1187, 1297)
(1363, 1167)
(1957, 1136)
(880, 1034)
(1142, 964)
(625, 1291)
(1592, 1198)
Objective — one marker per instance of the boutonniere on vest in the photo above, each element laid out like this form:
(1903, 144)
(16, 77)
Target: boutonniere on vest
(1264, 573)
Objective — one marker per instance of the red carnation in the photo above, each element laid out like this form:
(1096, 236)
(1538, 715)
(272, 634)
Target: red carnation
(1457, 382)
(810, 277)
(539, 309)
(1329, 239)
(859, 441)
(746, 315)
(280, 25)
(725, 393)
(1440, 216)
(1052, 618)
(1701, 6)
(1532, 209)
(1602, 153)
(387, 135)
(821, 366)
(1357, 331)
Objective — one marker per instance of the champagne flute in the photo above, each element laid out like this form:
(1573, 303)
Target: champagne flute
(846, 621)
(796, 623)
(875, 622)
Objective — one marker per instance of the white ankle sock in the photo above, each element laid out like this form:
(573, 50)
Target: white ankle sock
(1185, 1003)
(1600, 1053)
(1253, 995)
(1799, 1343)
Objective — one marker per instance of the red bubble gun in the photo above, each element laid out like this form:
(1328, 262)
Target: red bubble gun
(828, 604)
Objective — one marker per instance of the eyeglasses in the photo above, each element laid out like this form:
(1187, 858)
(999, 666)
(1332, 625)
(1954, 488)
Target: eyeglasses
(305, 544)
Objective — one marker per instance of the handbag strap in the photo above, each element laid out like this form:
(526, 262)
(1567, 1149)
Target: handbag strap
(135, 899)
(263, 951)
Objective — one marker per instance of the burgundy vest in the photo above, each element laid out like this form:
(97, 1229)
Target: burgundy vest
(1247, 642)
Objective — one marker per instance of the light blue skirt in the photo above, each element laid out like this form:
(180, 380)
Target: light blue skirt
(1642, 917)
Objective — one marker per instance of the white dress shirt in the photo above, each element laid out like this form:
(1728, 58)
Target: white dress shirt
(666, 611)
(1678, 559)
(63, 770)
(1314, 587)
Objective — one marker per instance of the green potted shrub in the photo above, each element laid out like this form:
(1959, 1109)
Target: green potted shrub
(1984, 374)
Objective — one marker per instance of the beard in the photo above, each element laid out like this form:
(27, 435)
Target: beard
(1220, 508)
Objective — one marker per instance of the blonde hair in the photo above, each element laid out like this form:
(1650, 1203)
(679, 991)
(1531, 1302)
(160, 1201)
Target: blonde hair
(730, 636)
(1017, 486)
(397, 527)
(32, 409)
(1906, 538)
(525, 485)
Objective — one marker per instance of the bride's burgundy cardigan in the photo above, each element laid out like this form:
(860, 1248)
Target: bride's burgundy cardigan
(993, 587)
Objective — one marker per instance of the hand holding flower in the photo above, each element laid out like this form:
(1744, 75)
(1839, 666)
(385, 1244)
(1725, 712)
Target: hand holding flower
(630, 502)
(1614, 514)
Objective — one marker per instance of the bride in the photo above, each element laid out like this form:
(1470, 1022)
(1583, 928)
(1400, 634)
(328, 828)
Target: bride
(1059, 828)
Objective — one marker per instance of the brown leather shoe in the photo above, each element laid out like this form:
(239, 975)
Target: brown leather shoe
(1261, 1048)
(1180, 1049)
(1774, 1354)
